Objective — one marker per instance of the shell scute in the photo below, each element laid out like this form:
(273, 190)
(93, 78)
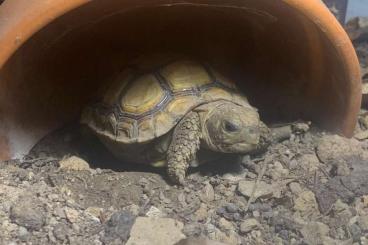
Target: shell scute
(185, 75)
(142, 95)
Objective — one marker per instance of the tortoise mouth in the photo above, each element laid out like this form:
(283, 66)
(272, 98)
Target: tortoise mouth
(291, 58)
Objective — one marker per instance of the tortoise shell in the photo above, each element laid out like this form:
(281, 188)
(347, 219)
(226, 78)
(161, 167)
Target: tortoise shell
(146, 101)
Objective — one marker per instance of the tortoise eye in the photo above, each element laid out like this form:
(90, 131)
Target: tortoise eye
(231, 127)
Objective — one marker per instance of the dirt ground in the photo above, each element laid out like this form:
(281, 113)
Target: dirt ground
(311, 188)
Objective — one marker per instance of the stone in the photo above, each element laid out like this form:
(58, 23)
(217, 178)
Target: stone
(73, 163)
(300, 127)
(314, 233)
(295, 188)
(207, 193)
(154, 212)
(155, 231)
(363, 222)
(27, 213)
(118, 227)
(23, 233)
(61, 231)
(363, 135)
(365, 201)
(201, 214)
(134, 209)
(231, 208)
(334, 147)
(94, 212)
(263, 189)
(225, 225)
(72, 215)
(278, 171)
(198, 241)
(309, 162)
(306, 204)
(248, 225)
(231, 238)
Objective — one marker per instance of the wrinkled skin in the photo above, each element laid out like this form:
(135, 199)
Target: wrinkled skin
(220, 126)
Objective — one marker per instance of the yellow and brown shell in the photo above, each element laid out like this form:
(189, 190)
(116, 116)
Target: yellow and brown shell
(144, 104)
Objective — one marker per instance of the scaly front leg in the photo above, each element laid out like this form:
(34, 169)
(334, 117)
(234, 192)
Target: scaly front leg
(184, 146)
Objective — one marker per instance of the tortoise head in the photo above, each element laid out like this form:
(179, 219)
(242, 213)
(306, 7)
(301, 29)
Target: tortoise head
(231, 128)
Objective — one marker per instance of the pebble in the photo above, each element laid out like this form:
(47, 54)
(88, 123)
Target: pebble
(306, 204)
(94, 212)
(334, 147)
(118, 227)
(207, 193)
(198, 241)
(225, 225)
(363, 135)
(314, 233)
(363, 222)
(201, 214)
(309, 162)
(154, 212)
(23, 233)
(355, 231)
(263, 189)
(72, 215)
(278, 171)
(156, 231)
(231, 208)
(61, 231)
(28, 214)
(248, 225)
(73, 163)
(295, 188)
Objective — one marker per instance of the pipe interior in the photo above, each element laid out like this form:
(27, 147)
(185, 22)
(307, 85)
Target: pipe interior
(277, 57)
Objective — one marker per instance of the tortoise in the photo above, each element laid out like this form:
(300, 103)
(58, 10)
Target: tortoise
(162, 111)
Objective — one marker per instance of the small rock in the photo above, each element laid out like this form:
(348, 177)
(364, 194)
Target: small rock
(231, 208)
(263, 189)
(23, 234)
(309, 162)
(71, 214)
(334, 147)
(155, 231)
(94, 212)
(342, 168)
(295, 188)
(218, 235)
(314, 233)
(154, 212)
(306, 204)
(134, 209)
(363, 135)
(198, 241)
(355, 231)
(300, 128)
(363, 222)
(118, 227)
(61, 231)
(192, 230)
(207, 194)
(248, 225)
(73, 163)
(256, 214)
(225, 225)
(28, 214)
(201, 214)
(278, 171)
(365, 201)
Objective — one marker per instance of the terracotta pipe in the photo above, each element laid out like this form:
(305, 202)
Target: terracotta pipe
(291, 57)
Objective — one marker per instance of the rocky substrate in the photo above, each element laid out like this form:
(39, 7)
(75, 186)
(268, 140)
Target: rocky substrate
(309, 189)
